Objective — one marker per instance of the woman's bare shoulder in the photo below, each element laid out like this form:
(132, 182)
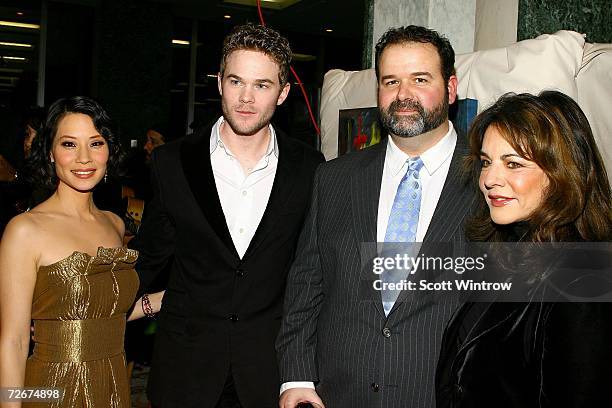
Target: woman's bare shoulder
(116, 221)
(23, 225)
(31, 228)
(22, 236)
(35, 220)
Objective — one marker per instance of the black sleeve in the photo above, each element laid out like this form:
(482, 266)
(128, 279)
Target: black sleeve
(155, 240)
(297, 339)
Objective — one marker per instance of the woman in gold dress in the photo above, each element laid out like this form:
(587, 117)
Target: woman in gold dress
(63, 266)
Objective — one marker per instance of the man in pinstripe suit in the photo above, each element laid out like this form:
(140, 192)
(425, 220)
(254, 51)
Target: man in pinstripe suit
(338, 347)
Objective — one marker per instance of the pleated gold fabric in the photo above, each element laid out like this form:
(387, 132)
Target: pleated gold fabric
(79, 311)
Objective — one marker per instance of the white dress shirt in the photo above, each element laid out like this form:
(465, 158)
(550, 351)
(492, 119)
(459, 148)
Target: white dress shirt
(243, 196)
(436, 163)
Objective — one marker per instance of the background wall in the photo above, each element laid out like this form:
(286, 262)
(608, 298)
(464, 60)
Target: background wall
(592, 17)
(496, 22)
(133, 63)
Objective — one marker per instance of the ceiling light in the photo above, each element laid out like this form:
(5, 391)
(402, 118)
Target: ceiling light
(180, 42)
(227, 16)
(13, 44)
(12, 58)
(12, 70)
(329, 30)
(20, 13)
(302, 57)
(271, 4)
(211, 75)
(18, 25)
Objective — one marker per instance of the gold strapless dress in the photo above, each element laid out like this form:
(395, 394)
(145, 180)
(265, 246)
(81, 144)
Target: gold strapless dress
(79, 310)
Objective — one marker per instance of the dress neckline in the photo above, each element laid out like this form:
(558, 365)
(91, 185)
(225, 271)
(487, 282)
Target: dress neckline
(100, 252)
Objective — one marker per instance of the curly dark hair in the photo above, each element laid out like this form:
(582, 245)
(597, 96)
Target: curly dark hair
(418, 34)
(40, 169)
(552, 131)
(255, 37)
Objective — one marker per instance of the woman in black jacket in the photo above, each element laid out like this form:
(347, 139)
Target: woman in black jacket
(543, 181)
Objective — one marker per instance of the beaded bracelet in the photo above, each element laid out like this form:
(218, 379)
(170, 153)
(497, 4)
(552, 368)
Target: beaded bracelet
(147, 309)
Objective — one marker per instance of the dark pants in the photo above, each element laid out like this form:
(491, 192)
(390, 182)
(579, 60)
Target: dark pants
(228, 398)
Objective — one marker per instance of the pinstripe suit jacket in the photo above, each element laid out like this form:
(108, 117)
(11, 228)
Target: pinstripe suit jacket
(334, 331)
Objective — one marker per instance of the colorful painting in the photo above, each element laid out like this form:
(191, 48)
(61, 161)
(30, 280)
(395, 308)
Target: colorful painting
(358, 129)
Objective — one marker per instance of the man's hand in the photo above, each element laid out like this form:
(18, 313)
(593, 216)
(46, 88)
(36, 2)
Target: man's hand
(293, 396)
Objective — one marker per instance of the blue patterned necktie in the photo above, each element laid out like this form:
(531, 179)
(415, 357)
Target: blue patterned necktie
(402, 225)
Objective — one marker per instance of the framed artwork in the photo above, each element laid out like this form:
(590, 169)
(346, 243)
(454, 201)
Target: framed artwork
(358, 128)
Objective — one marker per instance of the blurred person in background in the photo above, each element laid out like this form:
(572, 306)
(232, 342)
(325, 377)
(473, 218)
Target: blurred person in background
(155, 137)
(16, 193)
(32, 125)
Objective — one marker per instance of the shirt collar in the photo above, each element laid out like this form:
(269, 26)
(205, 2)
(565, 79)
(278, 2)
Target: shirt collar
(215, 140)
(432, 158)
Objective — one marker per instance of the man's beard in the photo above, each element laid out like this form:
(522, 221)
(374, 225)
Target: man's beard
(243, 129)
(415, 124)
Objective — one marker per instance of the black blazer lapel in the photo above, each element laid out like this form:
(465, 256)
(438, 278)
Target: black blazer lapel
(287, 171)
(456, 200)
(479, 320)
(195, 159)
(464, 322)
(470, 324)
(365, 193)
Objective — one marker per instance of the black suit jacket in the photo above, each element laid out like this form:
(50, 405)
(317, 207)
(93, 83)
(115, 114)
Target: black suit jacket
(524, 355)
(334, 331)
(219, 312)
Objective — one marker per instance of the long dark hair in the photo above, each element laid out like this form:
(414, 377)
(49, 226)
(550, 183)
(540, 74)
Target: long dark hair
(552, 131)
(41, 171)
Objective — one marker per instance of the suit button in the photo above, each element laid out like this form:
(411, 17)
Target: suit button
(375, 387)
(233, 318)
(240, 272)
(386, 332)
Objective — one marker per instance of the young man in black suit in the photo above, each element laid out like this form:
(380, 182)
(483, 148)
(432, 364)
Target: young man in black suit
(229, 203)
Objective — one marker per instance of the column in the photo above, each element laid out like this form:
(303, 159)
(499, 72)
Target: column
(470, 25)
